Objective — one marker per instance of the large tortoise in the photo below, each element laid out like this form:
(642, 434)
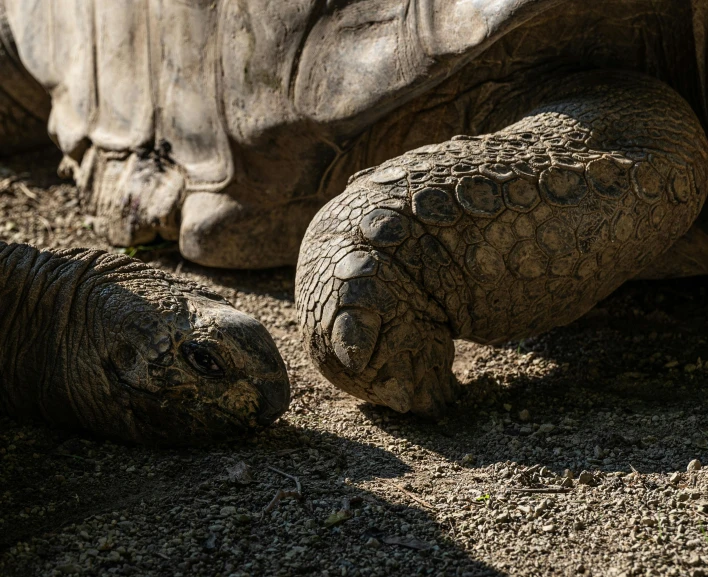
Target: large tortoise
(99, 341)
(239, 120)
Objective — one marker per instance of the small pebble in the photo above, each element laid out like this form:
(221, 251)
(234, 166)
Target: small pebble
(586, 478)
(694, 465)
(502, 517)
(648, 521)
(468, 459)
(694, 560)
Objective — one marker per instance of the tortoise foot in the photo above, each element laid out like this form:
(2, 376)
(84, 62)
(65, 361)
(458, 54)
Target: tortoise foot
(404, 364)
(218, 230)
(370, 330)
(134, 196)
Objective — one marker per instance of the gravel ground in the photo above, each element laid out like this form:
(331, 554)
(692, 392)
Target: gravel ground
(567, 455)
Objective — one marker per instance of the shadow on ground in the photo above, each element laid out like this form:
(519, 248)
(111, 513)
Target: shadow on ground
(199, 513)
(623, 388)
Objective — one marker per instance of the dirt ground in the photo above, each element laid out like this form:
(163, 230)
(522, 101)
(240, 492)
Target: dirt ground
(567, 454)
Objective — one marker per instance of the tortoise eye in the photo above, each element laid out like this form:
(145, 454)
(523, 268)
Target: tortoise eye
(201, 359)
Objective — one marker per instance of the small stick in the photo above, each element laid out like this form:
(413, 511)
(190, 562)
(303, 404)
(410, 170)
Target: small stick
(291, 477)
(544, 490)
(26, 191)
(286, 452)
(531, 470)
(413, 496)
(47, 224)
(452, 529)
(70, 456)
(279, 496)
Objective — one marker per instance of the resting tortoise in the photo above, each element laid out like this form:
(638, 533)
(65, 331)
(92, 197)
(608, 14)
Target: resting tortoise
(101, 341)
(583, 164)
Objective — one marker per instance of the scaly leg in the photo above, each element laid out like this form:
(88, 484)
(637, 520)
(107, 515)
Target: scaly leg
(496, 237)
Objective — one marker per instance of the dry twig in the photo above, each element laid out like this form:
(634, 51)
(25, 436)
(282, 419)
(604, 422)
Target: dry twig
(291, 477)
(280, 495)
(47, 224)
(22, 187)
(412, 496)
(544, 490)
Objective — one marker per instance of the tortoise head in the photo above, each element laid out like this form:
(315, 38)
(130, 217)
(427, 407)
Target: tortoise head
(182, 366)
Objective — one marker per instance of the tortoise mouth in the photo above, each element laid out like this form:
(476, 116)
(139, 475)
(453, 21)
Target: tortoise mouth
(189, 418)
(235, 418)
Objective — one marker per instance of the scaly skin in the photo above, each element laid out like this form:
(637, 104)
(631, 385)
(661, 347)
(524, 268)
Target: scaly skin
(496, 237)
(103, 342)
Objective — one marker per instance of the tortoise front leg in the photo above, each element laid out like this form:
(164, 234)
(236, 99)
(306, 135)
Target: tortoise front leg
(496, 237)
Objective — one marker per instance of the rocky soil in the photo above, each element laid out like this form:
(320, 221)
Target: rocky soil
(567, 455)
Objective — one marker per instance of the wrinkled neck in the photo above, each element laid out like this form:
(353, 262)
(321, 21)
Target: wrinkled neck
(38, 300)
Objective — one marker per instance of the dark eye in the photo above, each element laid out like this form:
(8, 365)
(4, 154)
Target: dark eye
(201, 359)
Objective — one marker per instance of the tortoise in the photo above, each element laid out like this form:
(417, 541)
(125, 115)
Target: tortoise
(511, 161)
(100, 341)
(563, 155)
